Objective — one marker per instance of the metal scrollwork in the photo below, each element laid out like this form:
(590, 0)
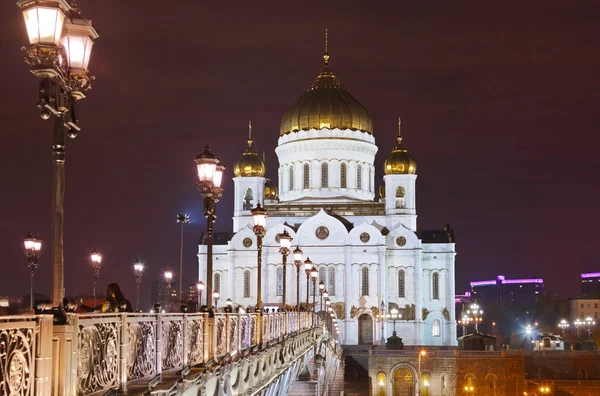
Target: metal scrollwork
(141, 359)
(221, 336)
(233, 334)
(172, 344)
(16, 361)
(196, 340)
(98, 365)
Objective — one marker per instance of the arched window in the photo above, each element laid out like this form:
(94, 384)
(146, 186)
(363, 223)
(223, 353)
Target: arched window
(292, 178)
(359, 177)
(324, 175)
(436, 286)
(217, 283)
(248, 198)
(401, 284)
(381, 383)
(365, 281)
(400, 192)
(280, 281)
(343, 175)
(435, 328)
(425, 385)
(306, 176)
(247, 284)
(331, 281)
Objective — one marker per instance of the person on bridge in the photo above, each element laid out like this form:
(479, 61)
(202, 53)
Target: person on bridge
(115, 300)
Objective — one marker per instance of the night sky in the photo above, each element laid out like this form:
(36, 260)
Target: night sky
(499, 102)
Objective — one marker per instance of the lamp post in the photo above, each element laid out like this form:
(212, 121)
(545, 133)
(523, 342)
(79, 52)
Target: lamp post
(577, 324)
(138, 268)
(60, 46)
(298, 263)
(183, 219)
(96, 259)
(259, 217)
(199, 288)
(422, 353)
(307, 269)
(382, 317)
(33, 250)
(314, 274)
(321, 289)
(564, 325)
(393, 315)
(210, 175)
(589, 322)
(285, 241)
(168, 279)
(476, 315)
(216, 298)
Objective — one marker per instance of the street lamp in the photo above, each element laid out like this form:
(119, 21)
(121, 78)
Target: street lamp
(382, 317)
(33, 250)
(476, 315)
(544, 389)
(168, 279)
(183, 219)
(393, 315)
(259, 217)
(138, 268)
(314, 274)
(563, 326)
(60, 46)
(422, 353)
(216, 298)
(96, 258)
(200, 288)
(210, 175)
(589, 322)
(577, 324)
(298, 263)
(285, 241)
(321, 289)
(307, 269)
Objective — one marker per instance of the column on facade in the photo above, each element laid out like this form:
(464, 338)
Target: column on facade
(231, 292)
(347, 289)
(383, 290)
(419, 297)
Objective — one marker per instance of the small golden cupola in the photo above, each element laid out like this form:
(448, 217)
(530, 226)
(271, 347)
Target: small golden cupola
(250, 165)
(271, 191)
(400, 162)
(326, 104)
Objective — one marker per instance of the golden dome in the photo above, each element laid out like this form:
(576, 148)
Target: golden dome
(399, 162)
(271, 192)
(382, 191)
(250, 165)
(326, 104)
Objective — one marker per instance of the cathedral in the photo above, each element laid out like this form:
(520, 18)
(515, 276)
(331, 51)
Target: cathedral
(368, 251)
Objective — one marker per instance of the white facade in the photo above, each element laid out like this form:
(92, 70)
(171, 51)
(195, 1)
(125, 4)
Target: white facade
(366, 251)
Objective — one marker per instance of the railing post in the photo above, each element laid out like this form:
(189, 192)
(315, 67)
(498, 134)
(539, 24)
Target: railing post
(123, 353)
(159, 344)
(64, 357)
(186, 346)
(43, 356)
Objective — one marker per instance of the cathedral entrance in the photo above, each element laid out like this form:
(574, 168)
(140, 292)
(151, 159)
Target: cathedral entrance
(365, 329)
(403, 383)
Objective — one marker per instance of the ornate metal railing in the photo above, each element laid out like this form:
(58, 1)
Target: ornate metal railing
(25, 350)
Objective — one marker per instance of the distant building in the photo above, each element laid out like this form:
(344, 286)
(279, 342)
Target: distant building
(581, 308)
(590, 284)
(171, 302)
(509, 291)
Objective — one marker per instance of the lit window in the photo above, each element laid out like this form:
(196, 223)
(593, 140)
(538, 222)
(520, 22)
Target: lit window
(436, 286)
(365, 282)
(343, 175)
(306, 176)
(246, 284)
(280, 281)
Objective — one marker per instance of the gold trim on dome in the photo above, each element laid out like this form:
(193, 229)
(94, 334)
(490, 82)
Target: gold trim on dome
(326, 105)
(250, 165)
(400, 161)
